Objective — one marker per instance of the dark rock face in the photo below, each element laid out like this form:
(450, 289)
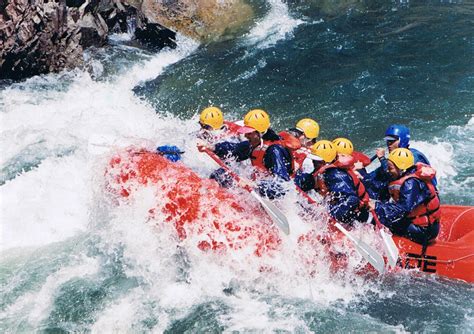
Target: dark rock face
(155, 36)
(43, 36)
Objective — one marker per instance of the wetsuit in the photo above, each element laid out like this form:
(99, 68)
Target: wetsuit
(376, 182)
(347, 197)
(414, 209)
(273, 158)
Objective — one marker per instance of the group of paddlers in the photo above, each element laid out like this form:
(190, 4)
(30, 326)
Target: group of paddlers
(401, 192)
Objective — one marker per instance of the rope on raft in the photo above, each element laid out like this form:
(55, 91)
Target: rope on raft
(440, 261)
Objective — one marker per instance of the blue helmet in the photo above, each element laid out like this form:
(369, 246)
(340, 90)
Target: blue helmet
(170, 152)
(398, 132)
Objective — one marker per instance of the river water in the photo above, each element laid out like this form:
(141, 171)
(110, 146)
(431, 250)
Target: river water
(70, 264)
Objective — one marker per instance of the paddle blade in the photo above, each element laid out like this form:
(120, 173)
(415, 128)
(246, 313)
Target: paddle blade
(274, 212)
(391, 248)
(367, 252)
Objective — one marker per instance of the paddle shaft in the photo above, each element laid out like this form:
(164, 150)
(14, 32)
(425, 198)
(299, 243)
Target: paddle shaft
(223, 165)
(277, 216)
(390, 247)
(378, 224)
(305, 195)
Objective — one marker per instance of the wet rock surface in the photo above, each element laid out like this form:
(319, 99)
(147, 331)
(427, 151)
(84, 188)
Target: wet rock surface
(204, 20)
(46, 36)
(42, 36)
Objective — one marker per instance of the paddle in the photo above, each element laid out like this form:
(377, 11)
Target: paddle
(367, 252)
(389, 245)
(277, 216)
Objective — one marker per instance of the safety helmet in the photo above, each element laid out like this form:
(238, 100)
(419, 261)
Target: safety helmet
(398, 131)
(402, 158)
(213, 117)
(309, 127)
(343, 145)
(323, 150)
(257, 119)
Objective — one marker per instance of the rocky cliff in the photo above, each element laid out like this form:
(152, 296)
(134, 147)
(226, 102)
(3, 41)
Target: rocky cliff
(46, 35)
(42, 36)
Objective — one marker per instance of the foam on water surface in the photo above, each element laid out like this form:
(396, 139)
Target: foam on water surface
(277, 25)
(124, 271)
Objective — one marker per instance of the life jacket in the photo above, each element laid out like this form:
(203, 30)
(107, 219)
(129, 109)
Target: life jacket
(346, 163)
(427, 212)
(288, 142)
(361, 157)
(232, 128)
(298, 151)
(256, 157)
(299, 156)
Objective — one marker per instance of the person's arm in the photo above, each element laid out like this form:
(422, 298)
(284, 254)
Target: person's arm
(239, 151)
(376, 183)
(278, 161)
(305, 181)
(412, 194)
(420, 157)
(344, 201)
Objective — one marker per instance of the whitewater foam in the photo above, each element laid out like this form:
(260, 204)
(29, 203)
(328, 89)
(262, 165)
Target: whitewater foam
(290, 291)
(53, 199)
(278, 24)
(35, 306)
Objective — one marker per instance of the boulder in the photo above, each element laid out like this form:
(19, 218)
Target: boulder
(204, 20)
(42, 36)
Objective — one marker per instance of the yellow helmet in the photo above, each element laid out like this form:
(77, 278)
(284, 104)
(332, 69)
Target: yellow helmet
(213, 117)
(325, 150)
(257, 119)
(343, 145)
(402, 158)
(309, 127)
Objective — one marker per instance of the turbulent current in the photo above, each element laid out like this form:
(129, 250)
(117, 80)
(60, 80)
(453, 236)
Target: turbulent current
(71, 262)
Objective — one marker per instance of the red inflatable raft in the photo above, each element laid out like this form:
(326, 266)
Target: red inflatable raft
(197, 208)
(218, 220)
(452, 254)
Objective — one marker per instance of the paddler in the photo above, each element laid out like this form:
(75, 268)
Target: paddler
(345, 146)
(213, 126)
(334, 178)
(376, 182)
(265, 150)
(306, 131)
(413, 211)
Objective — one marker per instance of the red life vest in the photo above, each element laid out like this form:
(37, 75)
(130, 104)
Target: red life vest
(428, 212)
(287, 141)
(256, 157)
(232, 128)
(359, 156)
(299, 156)
(298, 151)
(346, 163)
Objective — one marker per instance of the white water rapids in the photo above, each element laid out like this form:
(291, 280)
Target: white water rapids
(71, 263)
